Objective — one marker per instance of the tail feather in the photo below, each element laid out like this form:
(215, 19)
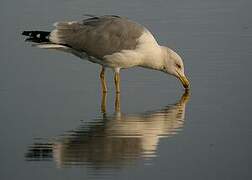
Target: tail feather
(42, 40)
(37, 36)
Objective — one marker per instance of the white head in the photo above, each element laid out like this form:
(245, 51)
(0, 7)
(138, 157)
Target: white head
(173, 64)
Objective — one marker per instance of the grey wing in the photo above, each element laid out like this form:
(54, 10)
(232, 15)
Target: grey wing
(98, 36)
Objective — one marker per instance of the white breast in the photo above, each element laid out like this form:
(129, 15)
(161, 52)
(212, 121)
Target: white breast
(147, 47)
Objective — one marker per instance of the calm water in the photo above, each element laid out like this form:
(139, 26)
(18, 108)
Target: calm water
(55, 123)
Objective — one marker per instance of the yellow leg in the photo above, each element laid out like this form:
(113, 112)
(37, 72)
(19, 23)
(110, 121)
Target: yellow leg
(104, 103)
(117, 103)
(117, 82)
(103, 81)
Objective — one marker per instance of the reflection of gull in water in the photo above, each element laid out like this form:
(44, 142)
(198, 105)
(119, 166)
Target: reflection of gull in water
(113, 140)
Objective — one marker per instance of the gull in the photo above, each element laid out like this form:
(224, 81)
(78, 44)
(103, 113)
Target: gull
(112, 42)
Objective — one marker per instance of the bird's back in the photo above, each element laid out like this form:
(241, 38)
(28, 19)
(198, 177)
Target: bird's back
(98, 36)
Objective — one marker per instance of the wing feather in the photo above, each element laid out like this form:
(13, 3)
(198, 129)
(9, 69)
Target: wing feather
(98, 36)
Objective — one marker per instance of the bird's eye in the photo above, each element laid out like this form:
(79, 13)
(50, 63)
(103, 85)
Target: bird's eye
(178, 66)
(163, 68)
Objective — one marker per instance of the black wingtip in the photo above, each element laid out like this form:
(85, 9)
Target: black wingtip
(26, 33)
(36, 36)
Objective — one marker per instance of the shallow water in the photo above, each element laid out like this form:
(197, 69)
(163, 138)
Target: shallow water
(55, 123)
(112, 141)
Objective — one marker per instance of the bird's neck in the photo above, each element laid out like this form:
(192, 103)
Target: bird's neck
(154, 59)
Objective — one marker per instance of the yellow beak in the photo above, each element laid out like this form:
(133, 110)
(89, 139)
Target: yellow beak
(184, 81)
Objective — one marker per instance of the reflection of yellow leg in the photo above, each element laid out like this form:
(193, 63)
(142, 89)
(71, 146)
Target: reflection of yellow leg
(103, 81)
(104, 102)
(117, 82)
(117, 103)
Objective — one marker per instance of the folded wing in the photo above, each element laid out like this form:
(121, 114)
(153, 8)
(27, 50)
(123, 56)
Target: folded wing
(98, 36)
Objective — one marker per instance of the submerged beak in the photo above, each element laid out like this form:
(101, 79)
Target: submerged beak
(184, 81)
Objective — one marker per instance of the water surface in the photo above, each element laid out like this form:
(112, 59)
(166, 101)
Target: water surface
(112, 141)
(54, 124)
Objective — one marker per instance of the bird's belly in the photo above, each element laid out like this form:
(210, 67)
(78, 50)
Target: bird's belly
(123, 59)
